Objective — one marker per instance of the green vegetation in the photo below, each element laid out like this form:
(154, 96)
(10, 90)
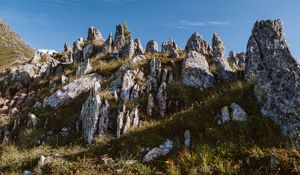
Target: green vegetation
(127, 33)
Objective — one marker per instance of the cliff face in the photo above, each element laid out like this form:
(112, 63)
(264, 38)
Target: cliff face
(12, 48)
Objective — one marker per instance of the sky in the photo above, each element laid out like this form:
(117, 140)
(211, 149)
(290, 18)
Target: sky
(48, 24)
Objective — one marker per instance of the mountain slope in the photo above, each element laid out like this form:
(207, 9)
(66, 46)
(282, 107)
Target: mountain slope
(12, 48)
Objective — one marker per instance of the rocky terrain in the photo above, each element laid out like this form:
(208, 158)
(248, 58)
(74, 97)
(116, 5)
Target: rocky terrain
(111, 106)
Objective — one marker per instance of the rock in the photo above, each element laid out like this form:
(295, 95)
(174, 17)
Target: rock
(131, 120)
(64, 132)
(27, 172)
(128, 50)
(272, 163)
(68, 54)
(196, 43)
(64, 80)
(77, 49)
(238, 113)
(162, 98)
(219, 59)
(107, 160)
(237, 61)
(94, 115)
(71, 91)
(195, 71)
(84, 68)
(119, 40)
(161, 150)
(88, 51)
(107, 47)
(150, 105)
(38, 104)
(117, 77)
(224, 115)
(137, 59)
(41, 161)
(94, 34)
(120, 121)
(155, 68)
(133, 85)
(138, 47)
(274, 72)
(32, 121)
(170, 48)
(187, 138)
(152, 47)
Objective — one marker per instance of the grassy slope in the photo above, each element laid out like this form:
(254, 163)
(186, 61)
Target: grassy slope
(220, 149)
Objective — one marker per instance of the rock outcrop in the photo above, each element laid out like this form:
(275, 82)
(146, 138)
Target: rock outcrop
(152, 47)
(127, 50)
(88, 51)
(94, 115)
(161, 150)
(170, 48)
(77, 50)
(94, 34)
(138, 47)
(195, 71)
(198, 44)
(237, 61)
(127, 120)
(119, 40)
(133, 85)
(84, 68)
(71, 91)
(275, 74)
(219, 59)
(236, 113)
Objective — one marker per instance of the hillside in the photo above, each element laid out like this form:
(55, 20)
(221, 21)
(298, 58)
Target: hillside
(109, 106)
(12, 48)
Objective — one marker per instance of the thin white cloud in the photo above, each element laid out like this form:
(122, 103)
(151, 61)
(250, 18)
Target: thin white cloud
(184, 24)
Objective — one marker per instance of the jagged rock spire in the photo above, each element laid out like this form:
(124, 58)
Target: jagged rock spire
(152, 47)
(94, 34)
(119, 40)
(198, 44)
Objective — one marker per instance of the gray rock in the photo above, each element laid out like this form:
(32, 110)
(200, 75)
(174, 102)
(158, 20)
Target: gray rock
(237, 60)
(94, 34)
(119, 40)
(161, 150)
(195, 71)
(32, 121)
(120, 121)
(275, 74)
(133, 85)
(152, 47)
(64, 80)
(137, 59)
(77, 49)
(128, 50)
(69, 92)
(150, 105)
(131, 120)
(64, 132)
(224, 115)
(187, 138)
(196, 43)
(238, 113)
(27, 172)
(84, 68)
(219, 59)
(155, 68)
(107, 47)
(170, 48)
(162, 98)
(138, 47)
(88, 51)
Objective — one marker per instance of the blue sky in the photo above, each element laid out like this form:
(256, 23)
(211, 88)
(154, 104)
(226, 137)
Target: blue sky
(50, 23)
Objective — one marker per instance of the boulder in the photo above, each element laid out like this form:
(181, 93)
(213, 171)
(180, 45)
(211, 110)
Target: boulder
(152, 47)
(161, 150)
(195, 71)
(224, 115)
(170, 48)
(198, 44)
(84, 68)
(107, 47)
(238, 113)
(94, 34)
(77, 49)
(138, 47)
(69, 92)
(274, 72)
(219, 59)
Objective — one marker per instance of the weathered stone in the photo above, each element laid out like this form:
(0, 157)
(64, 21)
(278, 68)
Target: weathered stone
(162, 98)
(137, 59)
(94, 34)
(88, 51)
(152, 47)
(71, 91)
(64, 80)
(128, 50)
(187, 138)
(107, 47)
(77, 49)
(138, 47)
(275, 74)
(170, 48)
(161, 150)
(150, 105)
(224, 115)
(196, 43)
(238, 113)
(84, 68)
(155, 68)
(32, 121)
(219, 59)
(119, 40)
(120, 121)
(237, 61)
(133, 85)
(195, 71)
